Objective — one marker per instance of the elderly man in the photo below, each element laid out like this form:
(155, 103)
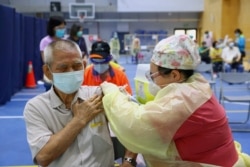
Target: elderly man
(232, 58)
(66, 126)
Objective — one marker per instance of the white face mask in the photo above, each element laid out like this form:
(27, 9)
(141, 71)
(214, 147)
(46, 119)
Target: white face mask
(101, 68)
(231, 44)
(153, 88)
(68, 82)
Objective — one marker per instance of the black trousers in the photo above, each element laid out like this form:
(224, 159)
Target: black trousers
(119, 149)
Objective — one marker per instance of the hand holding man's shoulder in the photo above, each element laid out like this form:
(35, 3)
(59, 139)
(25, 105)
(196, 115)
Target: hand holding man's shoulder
(85, 111)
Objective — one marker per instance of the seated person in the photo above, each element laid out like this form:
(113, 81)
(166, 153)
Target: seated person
(215, 55)
(231, 56)
(204, 53)
(66, 126)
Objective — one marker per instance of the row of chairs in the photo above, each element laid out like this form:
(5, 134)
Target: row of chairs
(232, 78)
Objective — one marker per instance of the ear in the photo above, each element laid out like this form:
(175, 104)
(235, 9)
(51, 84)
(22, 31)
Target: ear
(47, 72)
(176, 75)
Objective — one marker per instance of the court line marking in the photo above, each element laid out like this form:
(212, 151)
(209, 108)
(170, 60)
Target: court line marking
(11, 117)
(20, 99)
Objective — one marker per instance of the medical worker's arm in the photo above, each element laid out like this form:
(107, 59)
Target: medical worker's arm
(125, 82)
(138, 127)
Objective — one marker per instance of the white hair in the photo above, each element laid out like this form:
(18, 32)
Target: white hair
(63, 45)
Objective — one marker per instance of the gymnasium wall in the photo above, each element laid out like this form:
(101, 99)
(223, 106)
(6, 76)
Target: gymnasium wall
(211, 18)
(222, 17)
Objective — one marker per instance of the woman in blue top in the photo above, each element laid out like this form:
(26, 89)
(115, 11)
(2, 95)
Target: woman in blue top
(240, 42)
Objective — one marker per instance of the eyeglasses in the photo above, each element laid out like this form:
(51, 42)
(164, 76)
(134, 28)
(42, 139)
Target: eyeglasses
(151, 76)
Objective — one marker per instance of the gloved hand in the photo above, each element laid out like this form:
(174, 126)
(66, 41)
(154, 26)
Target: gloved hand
(108, 87)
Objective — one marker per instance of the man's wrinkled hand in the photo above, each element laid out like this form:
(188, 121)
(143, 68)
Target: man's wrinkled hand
(86, 110)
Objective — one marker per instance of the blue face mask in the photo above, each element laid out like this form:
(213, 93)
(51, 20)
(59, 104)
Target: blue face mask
(68, 82)
(79, 34)
(237, 34)
(101, 68)
(60, 33)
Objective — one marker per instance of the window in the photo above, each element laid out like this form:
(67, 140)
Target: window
(188, 31)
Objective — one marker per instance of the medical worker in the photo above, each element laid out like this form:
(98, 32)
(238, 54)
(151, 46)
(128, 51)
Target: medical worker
(184, 125)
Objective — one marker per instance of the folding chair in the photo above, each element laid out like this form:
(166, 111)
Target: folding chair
(203, 68)
(235, 78)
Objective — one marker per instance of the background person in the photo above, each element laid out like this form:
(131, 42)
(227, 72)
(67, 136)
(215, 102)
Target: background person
(171, 129)
(204, 53)
(136, 49)
(76, 32)
(115, 47)
(55, 31)
(101, 71)
(215, 55)
(65, 126)
(208, 38)
(232, 58)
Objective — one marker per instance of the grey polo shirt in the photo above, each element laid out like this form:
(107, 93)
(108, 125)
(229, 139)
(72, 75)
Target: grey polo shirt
(45, 115)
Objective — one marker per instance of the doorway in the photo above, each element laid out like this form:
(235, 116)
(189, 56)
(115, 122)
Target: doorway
(191, 32)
